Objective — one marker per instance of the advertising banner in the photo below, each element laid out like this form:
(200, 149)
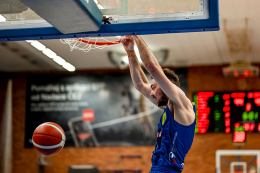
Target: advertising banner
(92, 109)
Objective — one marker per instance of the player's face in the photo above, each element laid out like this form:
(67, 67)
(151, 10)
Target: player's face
(158, 95)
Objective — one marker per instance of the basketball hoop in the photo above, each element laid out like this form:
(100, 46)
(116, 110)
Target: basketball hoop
(86, 44)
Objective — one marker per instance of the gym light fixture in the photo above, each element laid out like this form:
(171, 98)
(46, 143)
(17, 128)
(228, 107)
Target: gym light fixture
(37, 45)
(59, 60)
(68, 66)
(49, 53)
(2, 18)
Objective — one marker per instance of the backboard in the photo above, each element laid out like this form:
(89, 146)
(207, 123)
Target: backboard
(237, 161)
(124, 17)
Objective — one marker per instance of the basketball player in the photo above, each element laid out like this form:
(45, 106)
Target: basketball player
(177, 124)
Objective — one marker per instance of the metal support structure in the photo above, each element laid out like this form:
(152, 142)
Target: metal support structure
(42, 163)
(238, 44)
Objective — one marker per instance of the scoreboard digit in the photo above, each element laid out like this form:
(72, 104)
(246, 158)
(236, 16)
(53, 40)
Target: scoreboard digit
(227, 112)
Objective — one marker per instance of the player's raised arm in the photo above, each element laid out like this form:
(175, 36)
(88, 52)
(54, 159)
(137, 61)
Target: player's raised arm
(138, 77)
(175, 94)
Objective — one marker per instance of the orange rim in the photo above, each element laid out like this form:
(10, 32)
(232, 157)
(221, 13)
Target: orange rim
(99, 43)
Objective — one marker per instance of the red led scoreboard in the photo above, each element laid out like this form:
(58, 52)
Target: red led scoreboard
(227, 112)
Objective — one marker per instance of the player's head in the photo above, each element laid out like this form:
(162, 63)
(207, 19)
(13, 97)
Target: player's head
(157, 93)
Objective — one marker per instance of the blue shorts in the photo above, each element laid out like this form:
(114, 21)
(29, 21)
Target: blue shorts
(164, 169)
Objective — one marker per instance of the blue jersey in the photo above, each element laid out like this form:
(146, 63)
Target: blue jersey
(173, 143)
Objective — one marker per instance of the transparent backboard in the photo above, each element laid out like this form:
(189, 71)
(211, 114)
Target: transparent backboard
(125, 17)
(237, 161)
(146, 7)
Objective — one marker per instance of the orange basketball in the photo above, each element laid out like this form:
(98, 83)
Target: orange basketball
(48, 138)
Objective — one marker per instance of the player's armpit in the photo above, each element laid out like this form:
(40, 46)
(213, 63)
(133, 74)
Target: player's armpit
(184, 116)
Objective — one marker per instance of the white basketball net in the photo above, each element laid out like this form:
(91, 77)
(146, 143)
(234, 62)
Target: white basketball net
(92, 43)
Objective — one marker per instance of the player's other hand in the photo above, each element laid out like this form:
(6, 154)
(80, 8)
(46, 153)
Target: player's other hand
(128, 43)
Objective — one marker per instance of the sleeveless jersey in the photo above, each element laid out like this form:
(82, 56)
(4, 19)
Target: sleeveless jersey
(173, 143)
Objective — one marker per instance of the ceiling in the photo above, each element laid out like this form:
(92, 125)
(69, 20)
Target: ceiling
(185, 49)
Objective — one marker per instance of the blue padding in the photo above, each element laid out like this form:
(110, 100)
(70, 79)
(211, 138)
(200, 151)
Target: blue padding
(48, 32)
(68, 16)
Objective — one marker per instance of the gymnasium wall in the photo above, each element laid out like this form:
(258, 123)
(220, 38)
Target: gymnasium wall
(3, 87)
(201, 157)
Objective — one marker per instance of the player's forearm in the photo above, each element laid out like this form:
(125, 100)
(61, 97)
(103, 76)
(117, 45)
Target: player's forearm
(136, 71)
(147, 56)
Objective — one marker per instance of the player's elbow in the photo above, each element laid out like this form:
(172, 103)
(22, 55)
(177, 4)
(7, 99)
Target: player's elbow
(151, 68)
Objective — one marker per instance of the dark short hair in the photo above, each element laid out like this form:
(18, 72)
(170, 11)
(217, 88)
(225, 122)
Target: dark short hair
(171, 76)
